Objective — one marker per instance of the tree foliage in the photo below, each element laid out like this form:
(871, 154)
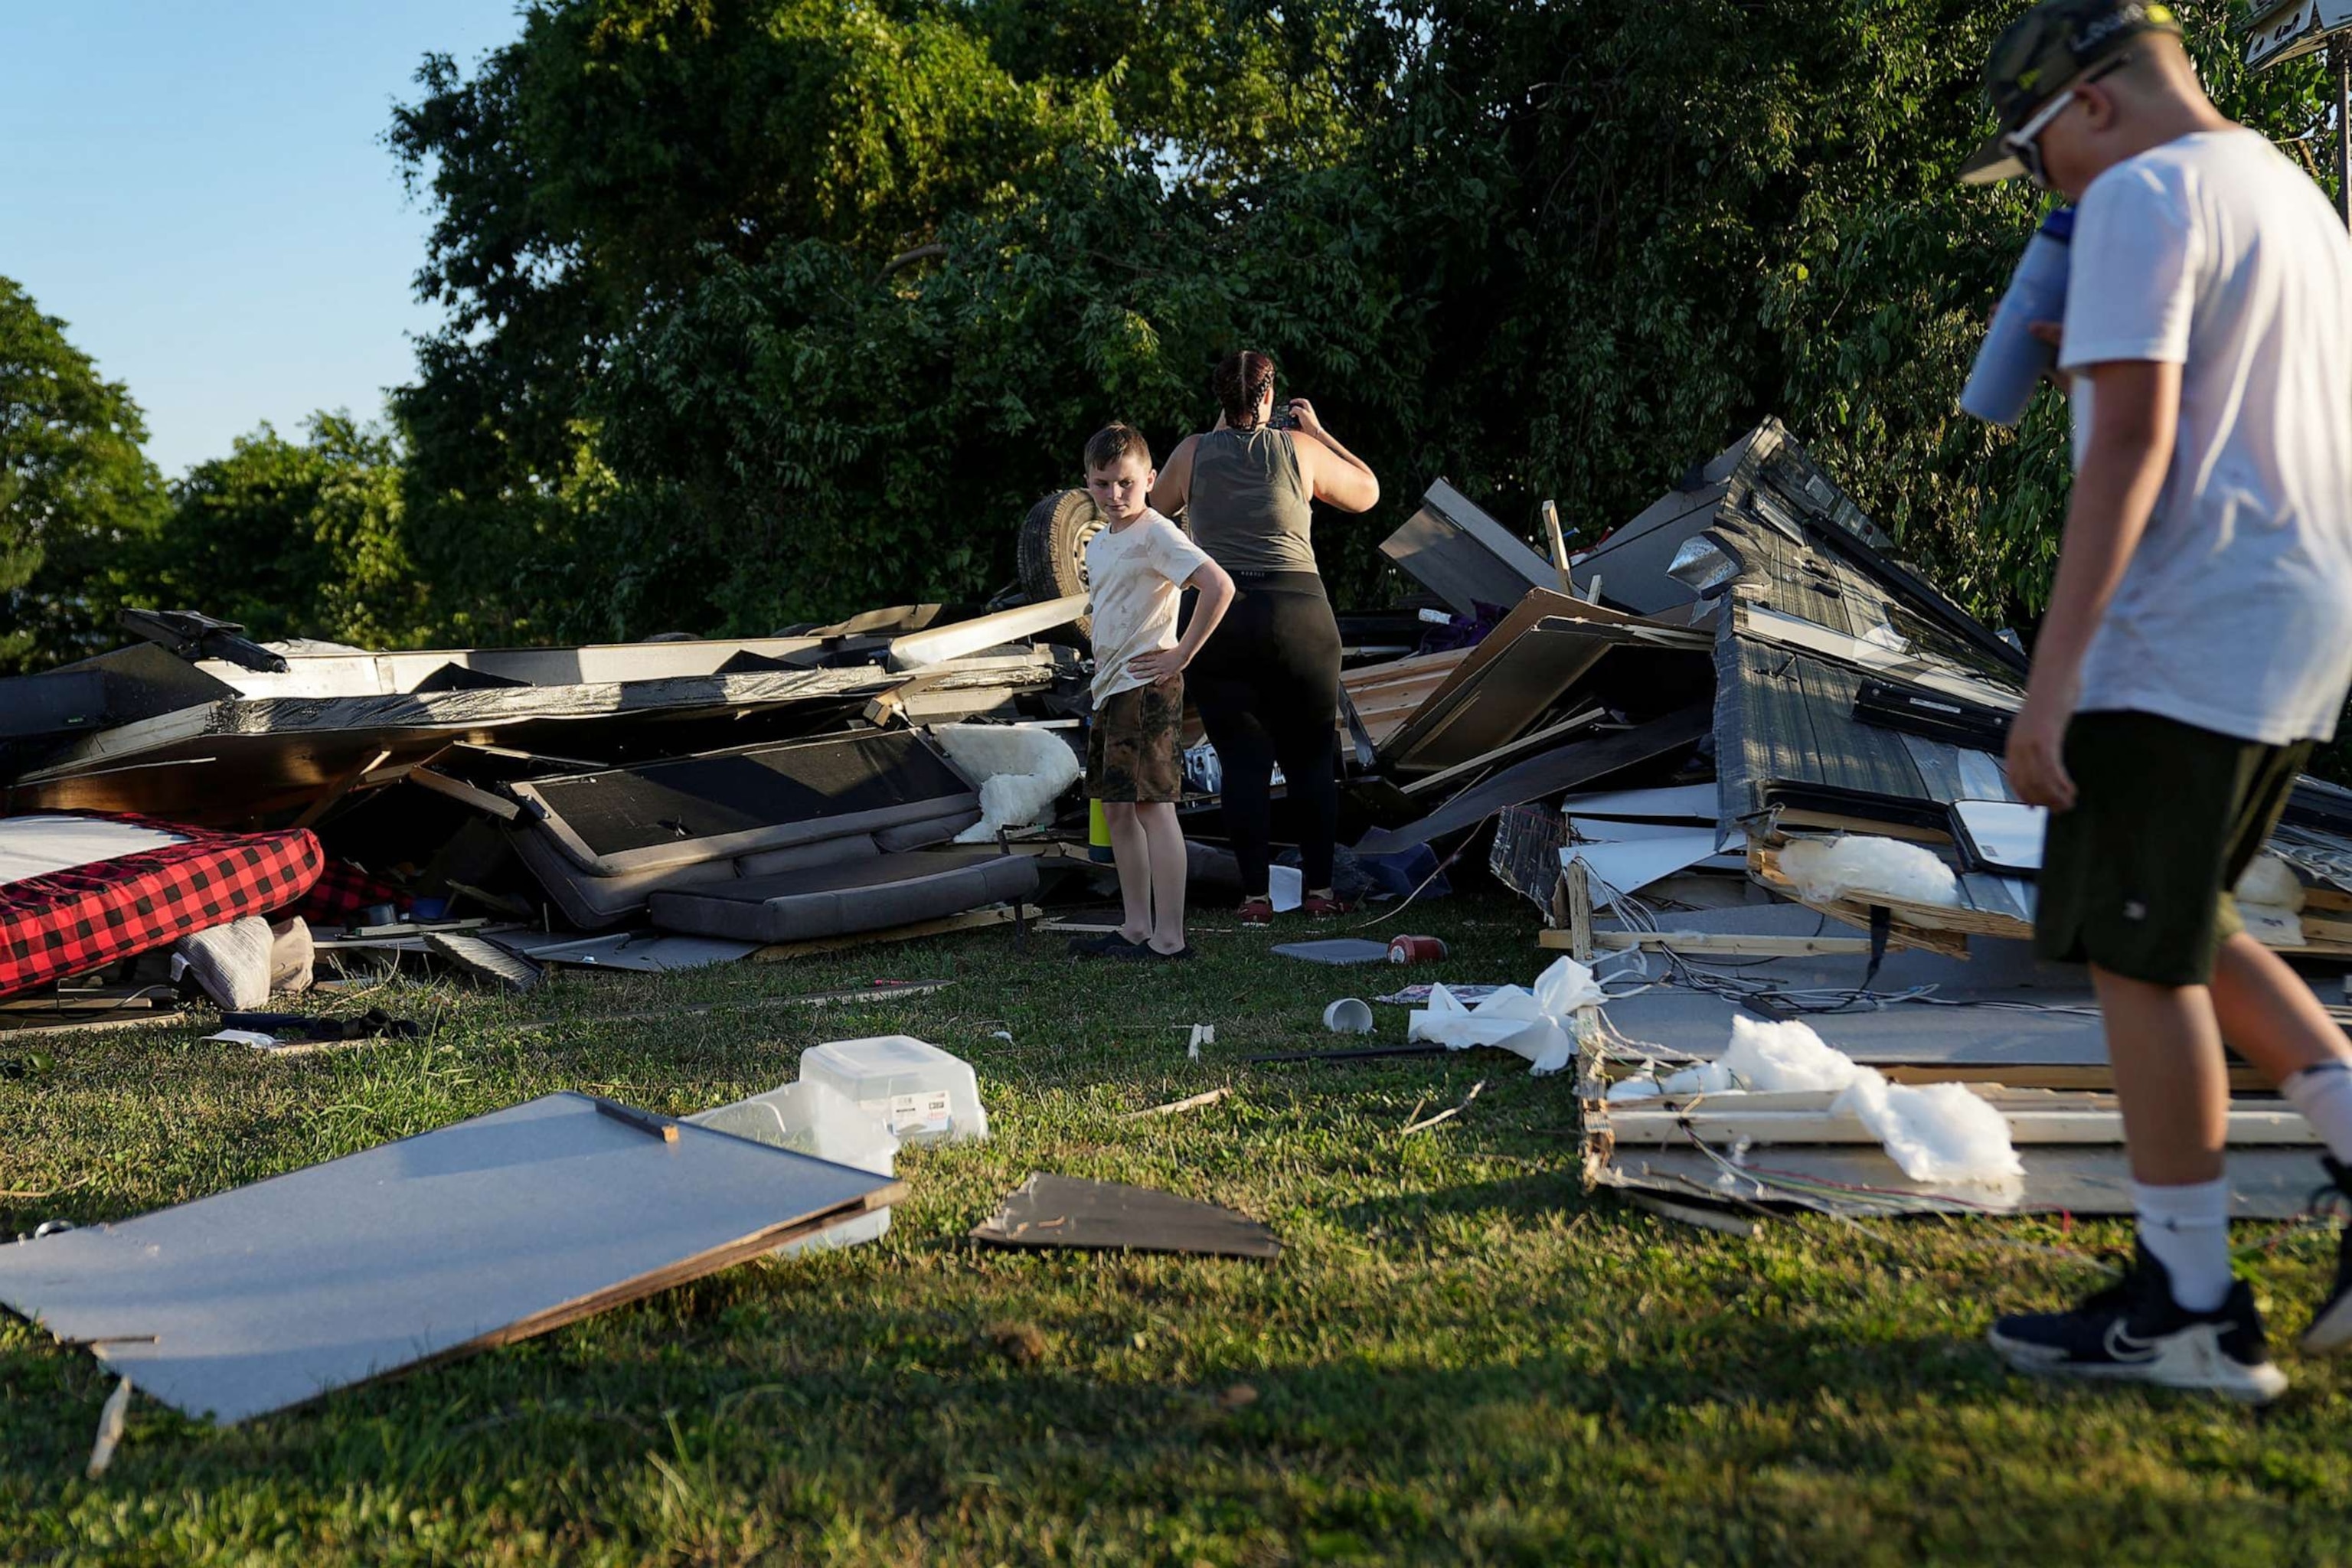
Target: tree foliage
(763, 310)
(771, 308)
(77, 497)
(295, 539)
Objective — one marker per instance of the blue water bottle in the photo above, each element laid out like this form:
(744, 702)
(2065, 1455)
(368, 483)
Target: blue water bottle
(2012, 360)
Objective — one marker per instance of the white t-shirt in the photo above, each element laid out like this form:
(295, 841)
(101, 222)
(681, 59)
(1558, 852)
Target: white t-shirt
(1135, 577)
(2234, 615)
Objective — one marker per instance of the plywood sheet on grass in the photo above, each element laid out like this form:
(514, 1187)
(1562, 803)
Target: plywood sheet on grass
(475, 1235)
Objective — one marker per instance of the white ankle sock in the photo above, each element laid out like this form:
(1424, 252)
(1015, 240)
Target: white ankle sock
(2324, 1095)
(2188, 1230)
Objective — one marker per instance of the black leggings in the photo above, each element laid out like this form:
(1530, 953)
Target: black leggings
(1267, 685)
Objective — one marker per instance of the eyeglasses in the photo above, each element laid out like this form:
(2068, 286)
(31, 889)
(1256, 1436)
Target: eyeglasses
(2024, 143)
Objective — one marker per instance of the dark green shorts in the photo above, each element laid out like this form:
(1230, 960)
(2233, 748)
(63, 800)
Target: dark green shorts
(1134, 747)
(2166, 818)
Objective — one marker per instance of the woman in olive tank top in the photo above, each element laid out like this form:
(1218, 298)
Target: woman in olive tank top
(1267, 681)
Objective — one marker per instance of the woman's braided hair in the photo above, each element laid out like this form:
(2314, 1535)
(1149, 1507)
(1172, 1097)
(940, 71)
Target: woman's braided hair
(1241, 384)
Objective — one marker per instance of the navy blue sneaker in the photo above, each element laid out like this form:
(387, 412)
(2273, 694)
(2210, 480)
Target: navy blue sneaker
(2134, 1331)
(1110, 945)
(2331, 1327)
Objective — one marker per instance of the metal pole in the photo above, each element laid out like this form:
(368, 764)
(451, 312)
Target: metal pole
(2339, 55)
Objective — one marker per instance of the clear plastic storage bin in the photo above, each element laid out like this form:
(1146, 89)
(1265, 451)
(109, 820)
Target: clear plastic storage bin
(917, 1090)
(811, 1119)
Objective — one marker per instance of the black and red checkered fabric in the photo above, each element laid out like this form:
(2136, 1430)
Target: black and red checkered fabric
(74, 921)
(343, 889)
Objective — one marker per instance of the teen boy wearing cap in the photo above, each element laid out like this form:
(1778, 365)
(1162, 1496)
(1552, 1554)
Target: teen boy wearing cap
(2197, 644)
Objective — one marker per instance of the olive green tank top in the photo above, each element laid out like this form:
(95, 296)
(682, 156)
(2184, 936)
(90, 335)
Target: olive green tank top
(1247, 506)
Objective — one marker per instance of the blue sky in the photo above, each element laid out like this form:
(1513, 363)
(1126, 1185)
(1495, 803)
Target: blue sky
(202, 192)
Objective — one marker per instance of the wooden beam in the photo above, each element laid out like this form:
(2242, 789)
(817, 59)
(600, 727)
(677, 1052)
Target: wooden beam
(1558, 546)
(465, 793)
(1729, 944)
(2033, 1118)
(342, 787)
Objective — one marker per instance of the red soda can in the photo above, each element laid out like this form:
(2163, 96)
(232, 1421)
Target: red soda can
(1415, 949)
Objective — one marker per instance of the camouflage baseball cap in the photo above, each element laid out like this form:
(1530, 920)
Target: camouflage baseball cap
(2042, 53)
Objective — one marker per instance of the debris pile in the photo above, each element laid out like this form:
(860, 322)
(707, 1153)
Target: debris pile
(1743, 761)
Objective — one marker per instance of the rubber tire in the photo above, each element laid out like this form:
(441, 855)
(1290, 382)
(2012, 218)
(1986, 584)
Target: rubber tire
(1052, 556)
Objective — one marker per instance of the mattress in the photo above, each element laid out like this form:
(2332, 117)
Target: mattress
(851, 896)
(80, 909)
(682, 810)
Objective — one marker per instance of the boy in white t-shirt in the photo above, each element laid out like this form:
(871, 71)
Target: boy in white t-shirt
(2199, 640)
(1137, 570)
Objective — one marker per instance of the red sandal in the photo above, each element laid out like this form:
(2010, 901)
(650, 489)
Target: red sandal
(1317, 908)
(1257, 912)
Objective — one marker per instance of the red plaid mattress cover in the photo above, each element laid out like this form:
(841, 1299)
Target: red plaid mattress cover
(74, 921)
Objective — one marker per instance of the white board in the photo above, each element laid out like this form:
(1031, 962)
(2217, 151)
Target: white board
(268, 1295)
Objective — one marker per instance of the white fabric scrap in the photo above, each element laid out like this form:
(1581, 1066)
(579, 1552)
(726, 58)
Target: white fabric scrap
(1021, 770)
(1534, 1023)
(1858, 864)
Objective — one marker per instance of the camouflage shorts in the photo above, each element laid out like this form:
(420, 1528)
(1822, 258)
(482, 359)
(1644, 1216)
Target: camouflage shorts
(1132, 751)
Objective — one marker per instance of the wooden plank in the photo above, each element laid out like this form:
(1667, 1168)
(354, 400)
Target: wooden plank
(1510, 752)
(976, 919)
(1578, 877)
(1727, 944)
(2033, 1118)
(465, 793)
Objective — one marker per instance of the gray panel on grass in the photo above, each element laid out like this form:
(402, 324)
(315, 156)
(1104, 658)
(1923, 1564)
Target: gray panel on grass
(510, 1223)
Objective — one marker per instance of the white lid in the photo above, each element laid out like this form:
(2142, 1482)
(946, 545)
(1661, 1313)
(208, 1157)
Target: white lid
(882, 1052)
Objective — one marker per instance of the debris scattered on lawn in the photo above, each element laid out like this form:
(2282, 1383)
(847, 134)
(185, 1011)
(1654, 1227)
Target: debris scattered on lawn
(1048, 1212)
(1357, 1054)
(1349, 1015)
(111, 1419)
(1192, 1102)
(1443, 1115)
(1338, 950)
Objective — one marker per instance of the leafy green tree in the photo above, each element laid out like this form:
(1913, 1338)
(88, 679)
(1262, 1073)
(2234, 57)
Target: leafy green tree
(295, 539)
(767, 310)
(77, 497)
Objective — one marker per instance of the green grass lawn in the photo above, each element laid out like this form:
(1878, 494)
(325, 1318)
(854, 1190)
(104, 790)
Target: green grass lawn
(1460, 1357)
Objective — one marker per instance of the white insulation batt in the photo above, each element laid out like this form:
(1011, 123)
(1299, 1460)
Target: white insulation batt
(1022, 770)
(1937, 1132)
(2272, 883)
(1858, 865)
